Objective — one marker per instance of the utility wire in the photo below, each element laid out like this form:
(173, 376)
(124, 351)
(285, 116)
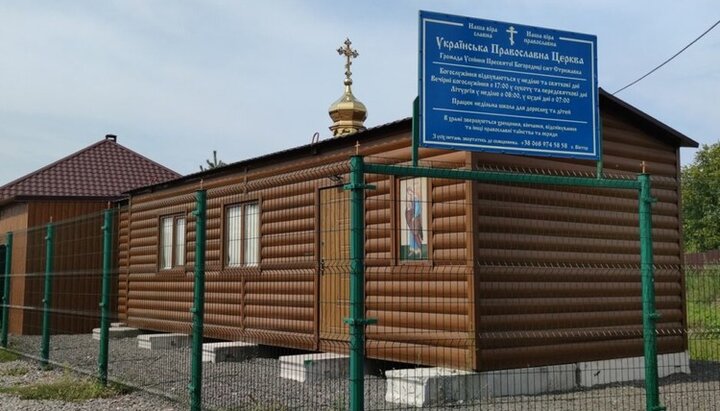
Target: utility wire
(668, 60)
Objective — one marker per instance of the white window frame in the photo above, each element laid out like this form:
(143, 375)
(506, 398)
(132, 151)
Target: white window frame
(172, 243)
(241, 242)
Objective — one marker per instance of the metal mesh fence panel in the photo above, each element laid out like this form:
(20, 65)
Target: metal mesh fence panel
(698, 386)
(55, 292)
(276, 292)
(478, 294)
(155, 287)
(512, 295)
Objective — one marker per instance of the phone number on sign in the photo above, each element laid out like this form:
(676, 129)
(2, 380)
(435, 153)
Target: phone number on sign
(544, 144)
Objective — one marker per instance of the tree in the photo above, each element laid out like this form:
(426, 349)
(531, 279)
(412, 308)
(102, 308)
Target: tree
(215, 163)
(701, 200)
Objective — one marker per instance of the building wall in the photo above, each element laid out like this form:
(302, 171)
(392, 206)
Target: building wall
(77, 264)
(122, 259)
(558, 268)
(519, 276)
(14, 217)
(422, 308)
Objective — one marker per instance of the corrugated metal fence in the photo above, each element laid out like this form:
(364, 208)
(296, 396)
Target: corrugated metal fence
(702, 259)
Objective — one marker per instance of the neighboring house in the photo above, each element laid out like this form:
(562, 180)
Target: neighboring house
(80, 184)
(496, 277)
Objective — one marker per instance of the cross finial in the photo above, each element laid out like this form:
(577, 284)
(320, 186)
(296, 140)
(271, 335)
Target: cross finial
(349, 54)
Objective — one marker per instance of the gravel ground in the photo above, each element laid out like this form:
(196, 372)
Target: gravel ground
(255, 384)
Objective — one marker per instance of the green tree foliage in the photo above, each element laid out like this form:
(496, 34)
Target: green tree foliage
(214, 163)
(701, 200)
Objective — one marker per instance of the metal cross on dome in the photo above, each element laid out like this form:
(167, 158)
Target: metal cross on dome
(349, 54)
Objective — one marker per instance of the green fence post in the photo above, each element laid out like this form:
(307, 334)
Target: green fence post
(599, 163)
(45, 349)
(652, 394)
(6, 290)
(105, 298)
(198, 301)
(415, 131)
(357, 320)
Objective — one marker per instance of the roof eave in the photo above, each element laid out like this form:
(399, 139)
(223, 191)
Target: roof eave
(313, 148)
(656, 127)
(27, 198)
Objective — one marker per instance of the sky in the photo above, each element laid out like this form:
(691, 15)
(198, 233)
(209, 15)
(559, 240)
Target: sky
(176, 80)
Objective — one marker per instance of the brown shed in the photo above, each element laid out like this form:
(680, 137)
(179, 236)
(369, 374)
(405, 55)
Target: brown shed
(469, 299)
(80, 184)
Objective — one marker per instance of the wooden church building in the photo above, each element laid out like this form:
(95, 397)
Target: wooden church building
(468, 275)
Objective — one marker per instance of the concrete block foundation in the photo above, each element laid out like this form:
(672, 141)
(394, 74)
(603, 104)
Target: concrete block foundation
(593, 373)
(422, 387)
(163, 341)
(529, 381)
(117, 332)
(231, 351)
(312, 367)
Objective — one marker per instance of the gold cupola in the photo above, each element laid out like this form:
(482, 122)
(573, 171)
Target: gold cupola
(348, 113)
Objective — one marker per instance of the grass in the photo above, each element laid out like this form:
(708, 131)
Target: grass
(7, 356)
(67, 389)
(704, 349)
(703, 307)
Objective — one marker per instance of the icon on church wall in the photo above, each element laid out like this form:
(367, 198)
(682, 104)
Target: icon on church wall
(414, 219)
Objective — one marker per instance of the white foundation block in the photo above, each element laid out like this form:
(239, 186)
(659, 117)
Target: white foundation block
(312, 367)
(163, 341)
(117, 332)
(593, 373)
(231, 351)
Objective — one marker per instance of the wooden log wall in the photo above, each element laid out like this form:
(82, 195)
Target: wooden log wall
(123, 262)
(424, 307)
(557, 269)
(517, 275)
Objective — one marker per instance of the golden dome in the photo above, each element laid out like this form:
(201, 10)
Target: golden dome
(348, 113)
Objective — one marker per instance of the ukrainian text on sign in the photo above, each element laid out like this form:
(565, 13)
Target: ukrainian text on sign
(501, 87)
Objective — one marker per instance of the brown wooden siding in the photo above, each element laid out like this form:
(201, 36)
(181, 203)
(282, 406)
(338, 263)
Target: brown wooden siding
(14, 217)
(518, 275)
(423, 310)
(277, 302)
(123, 260)
(77, 265)
(558, 268)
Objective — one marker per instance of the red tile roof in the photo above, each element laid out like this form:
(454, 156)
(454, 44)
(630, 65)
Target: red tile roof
(103, 169)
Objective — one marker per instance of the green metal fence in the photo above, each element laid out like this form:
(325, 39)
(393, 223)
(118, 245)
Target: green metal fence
(423, 323)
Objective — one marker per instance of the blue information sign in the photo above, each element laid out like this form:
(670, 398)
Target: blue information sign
(508, 88)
